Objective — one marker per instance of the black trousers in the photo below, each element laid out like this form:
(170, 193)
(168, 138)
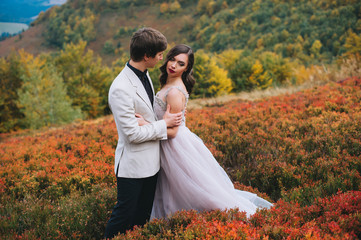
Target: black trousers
(135, 201)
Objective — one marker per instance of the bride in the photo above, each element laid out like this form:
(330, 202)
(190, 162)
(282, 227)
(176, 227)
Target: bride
(190, 177)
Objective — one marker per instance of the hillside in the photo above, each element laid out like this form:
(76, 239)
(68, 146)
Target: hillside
(108, 24)
(305, 30)
(75, 50)
(301, 151)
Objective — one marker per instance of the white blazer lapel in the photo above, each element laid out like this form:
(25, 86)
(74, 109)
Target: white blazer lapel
(151, 83)
(133, 78)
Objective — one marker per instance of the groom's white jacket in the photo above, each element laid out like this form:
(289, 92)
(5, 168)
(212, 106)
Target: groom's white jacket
(137, 152)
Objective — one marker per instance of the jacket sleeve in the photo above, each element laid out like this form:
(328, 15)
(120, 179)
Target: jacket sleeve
(122, 105)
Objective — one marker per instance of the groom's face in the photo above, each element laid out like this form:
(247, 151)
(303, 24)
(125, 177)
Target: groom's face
(151, 62)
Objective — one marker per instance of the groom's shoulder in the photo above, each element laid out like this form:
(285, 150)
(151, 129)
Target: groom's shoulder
(124, 73)
(122, 79)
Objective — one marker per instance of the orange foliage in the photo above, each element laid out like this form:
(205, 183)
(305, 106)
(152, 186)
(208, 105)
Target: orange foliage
(60, 160)
(302, 151)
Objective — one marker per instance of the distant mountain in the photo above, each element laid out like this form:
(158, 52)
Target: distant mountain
(310, 31)
(24, 11)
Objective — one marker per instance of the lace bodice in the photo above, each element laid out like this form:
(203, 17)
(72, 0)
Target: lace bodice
(160, 105)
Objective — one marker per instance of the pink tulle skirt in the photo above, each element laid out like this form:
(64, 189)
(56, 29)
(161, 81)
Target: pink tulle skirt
(191, 178)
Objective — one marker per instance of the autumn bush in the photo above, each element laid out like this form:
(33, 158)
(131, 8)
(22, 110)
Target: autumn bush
(76, 216)
(294, 147)
(301, 151)
(336, 217)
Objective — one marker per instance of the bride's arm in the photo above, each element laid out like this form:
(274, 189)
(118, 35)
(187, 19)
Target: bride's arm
(176, 101)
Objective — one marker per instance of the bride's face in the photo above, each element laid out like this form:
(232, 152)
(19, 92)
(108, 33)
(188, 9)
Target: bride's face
(177, 65)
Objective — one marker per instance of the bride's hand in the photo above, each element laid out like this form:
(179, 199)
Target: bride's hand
(141, 120)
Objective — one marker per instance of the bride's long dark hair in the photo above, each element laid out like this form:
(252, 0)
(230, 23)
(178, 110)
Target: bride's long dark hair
(187, 75)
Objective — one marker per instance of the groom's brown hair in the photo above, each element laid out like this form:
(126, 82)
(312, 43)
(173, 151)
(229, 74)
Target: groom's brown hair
(146, 42)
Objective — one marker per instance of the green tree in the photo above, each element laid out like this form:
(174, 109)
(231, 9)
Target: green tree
(353, 44)
(202, 6)
(278, 68)
(174, 7)
(66, 25)
(108, 47)
(10, 81)
(228, 57)
(211, 80)
(43, 98)
(240, 72)
(86, 79)
(316, 48)
(259, 77)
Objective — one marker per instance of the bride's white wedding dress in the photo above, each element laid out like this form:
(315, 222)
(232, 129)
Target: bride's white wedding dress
(191, 178)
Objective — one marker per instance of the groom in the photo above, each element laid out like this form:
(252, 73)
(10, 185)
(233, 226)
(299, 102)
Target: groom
(137, 159)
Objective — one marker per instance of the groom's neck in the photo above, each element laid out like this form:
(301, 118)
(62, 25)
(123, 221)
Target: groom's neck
(141, 66)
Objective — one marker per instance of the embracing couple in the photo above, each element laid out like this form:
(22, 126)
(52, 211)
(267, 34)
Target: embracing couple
(160, 165)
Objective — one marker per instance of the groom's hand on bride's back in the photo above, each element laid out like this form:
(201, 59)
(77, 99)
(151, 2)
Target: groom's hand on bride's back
(172, 119)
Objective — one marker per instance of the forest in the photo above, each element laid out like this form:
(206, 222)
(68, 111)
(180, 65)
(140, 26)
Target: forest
(239, 45)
